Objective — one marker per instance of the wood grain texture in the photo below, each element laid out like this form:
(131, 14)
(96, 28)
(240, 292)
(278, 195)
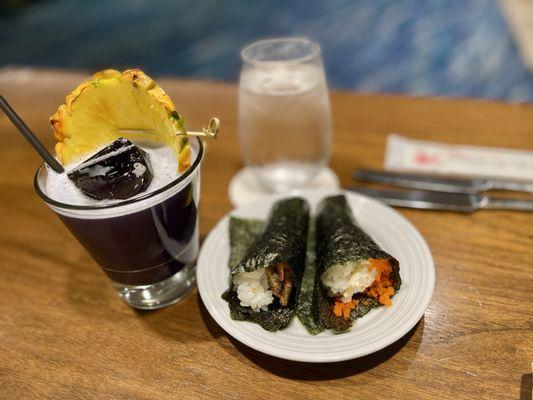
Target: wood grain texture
(65, 334)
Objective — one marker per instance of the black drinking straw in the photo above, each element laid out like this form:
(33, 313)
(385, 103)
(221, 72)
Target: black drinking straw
(30, 136)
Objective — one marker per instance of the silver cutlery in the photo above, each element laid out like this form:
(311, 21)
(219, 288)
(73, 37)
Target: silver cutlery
(462, 202)
(441, 184)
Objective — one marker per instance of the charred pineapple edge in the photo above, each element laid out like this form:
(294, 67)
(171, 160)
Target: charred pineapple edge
(139, 78)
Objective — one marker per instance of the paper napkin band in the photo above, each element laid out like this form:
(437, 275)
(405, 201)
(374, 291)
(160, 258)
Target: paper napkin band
(405, 154)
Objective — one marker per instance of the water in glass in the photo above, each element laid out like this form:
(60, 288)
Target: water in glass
(284, 120)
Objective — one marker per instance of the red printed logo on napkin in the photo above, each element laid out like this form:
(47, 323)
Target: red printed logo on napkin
(424, 158)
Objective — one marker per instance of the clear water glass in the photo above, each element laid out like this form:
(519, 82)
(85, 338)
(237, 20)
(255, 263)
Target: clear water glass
(284, 112)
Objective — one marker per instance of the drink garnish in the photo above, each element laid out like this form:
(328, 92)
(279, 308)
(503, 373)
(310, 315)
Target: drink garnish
(111, 105)
(118, 171)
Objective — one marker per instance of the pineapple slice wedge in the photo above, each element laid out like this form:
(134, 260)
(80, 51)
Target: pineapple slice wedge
(111, 105)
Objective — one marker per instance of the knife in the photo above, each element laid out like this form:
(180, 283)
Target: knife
(440, 184)
(444, 201)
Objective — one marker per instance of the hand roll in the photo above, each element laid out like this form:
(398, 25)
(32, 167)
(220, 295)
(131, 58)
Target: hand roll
(354, 274)
(265, 284)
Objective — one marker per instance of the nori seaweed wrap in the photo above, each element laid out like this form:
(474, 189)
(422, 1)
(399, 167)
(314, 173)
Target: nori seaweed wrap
(353, 274)
(243, 232)
(265, 284)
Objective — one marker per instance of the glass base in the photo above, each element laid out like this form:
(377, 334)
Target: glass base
(160, 294)
(244, 186)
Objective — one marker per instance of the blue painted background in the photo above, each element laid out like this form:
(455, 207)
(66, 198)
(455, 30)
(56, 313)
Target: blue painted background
(435, 47)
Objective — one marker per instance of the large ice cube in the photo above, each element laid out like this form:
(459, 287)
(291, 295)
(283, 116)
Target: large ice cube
(118, 171)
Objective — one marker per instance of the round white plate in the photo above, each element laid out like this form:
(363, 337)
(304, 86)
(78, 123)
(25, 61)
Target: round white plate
(376, 330)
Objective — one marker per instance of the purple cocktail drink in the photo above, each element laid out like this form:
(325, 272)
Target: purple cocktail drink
(147, 244)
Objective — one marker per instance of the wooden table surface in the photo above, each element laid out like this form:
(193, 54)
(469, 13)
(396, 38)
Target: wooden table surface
(64, 333)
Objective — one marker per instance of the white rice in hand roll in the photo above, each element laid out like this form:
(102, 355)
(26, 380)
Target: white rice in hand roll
(252, 290)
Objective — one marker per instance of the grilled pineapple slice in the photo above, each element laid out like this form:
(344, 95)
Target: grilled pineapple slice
(112, 105)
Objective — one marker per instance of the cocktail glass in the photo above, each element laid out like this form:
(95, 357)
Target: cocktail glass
(146, 245)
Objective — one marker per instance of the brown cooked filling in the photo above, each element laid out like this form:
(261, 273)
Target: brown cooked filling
(280, 282)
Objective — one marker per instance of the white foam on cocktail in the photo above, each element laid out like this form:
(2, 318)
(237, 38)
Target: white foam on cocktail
(164, 165)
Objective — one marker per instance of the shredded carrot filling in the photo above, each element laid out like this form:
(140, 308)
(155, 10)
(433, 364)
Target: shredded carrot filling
(382, 288)
(341, 309)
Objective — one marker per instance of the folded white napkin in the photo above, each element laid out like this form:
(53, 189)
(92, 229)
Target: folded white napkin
(405, 154)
